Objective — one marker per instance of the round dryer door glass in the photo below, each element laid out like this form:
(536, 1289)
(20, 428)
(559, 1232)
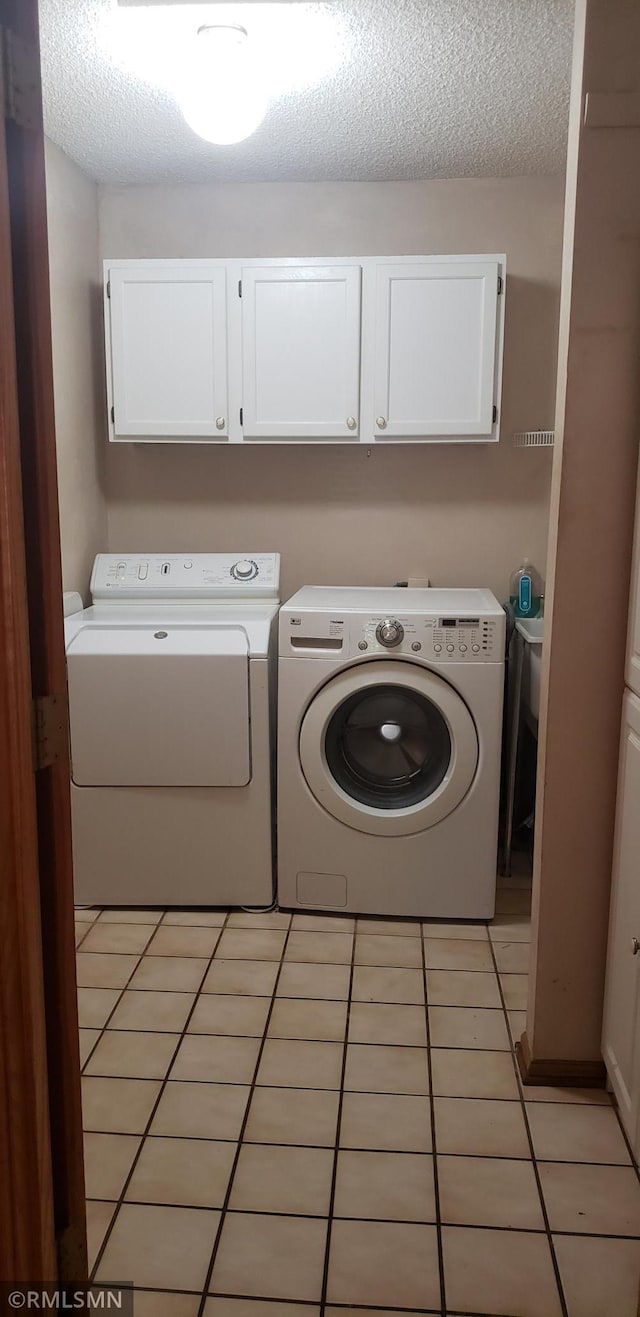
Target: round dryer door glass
(388, 747)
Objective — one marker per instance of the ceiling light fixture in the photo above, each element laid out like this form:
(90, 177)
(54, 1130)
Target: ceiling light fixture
(223, 80)
(222, 96)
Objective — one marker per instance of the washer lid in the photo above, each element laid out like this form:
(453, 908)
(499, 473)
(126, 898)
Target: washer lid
(159, 706)
(388, 748)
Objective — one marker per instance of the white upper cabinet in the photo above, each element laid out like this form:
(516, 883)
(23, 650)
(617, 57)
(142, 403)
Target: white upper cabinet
(344, 350)
(621, 1023)
(436, 349)
(633, 638)
(301, 351)
(167, 325)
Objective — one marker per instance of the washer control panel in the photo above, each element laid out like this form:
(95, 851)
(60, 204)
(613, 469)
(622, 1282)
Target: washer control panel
(188, 576)
(390, 632)
(449, 639)
(431, 638)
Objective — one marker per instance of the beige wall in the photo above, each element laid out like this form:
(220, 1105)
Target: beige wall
(598, 425)
(72, 213)
(465, 516)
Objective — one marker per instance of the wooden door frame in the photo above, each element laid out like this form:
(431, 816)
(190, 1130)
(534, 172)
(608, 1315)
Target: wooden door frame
(42, 1220)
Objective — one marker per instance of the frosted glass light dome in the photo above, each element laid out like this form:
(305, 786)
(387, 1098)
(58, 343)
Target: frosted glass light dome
(223, 97)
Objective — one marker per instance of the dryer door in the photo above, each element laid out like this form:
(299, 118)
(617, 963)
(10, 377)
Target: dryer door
(159, 706)
(388, 748)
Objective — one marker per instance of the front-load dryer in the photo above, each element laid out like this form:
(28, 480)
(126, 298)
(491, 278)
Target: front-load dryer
(171, 677)
(389, 741)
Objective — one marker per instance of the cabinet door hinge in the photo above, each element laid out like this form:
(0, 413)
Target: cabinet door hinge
(242, 415)
(500, 284)
(71, 1249)
(20, 80)
(239, 287)
(495, 413)
(50, 739)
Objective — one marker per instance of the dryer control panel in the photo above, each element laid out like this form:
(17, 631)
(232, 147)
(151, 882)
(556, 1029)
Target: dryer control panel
(226, 576)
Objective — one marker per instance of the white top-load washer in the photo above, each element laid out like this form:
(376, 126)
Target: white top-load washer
(390, 720)
(171, 678)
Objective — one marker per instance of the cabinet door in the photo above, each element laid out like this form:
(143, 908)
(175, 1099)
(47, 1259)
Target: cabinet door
(301, 351)
(621, 1028)
(435, 350)
(633, 639)
(168, 350)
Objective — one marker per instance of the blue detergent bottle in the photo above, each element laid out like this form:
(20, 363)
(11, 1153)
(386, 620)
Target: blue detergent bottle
(526, 591)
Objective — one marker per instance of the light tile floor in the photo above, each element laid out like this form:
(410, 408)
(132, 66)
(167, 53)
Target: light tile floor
(311, 1115)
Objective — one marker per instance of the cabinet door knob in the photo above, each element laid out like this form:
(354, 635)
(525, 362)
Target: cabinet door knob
(381, 422)
(219, 422)
(351, 422)
(635, 946)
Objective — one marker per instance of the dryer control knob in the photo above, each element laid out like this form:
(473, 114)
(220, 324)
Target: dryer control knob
(245, 570)
(390, 632)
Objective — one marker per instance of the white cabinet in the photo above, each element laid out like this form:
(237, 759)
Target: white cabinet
(366, 350)
(632, 674)
(436, 348)
(167, 325)
(621, 1020)
(621, 1026)
(301, 351)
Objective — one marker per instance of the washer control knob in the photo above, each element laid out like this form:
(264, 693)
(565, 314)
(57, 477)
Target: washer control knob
(450, 649)
(244, 570)
(476, 649)
(437, 649)
(416, 646)
(362, 644)
(390, 632)
(463, 649)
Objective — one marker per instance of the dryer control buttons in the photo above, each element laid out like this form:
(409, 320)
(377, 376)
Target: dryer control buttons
(450, 649)
(362, 644)
(416, 646)
(390, 633)
(244, 570)
(437, 649)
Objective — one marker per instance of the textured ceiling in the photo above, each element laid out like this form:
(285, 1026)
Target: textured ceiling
(365, 89)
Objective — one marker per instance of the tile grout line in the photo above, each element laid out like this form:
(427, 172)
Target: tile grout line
(163, 1083)
(240, 1140)
(336, 1149)
(367, 1220)
(434, 1145)
(320, 1147)
(534, 1162)
(120, 991)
